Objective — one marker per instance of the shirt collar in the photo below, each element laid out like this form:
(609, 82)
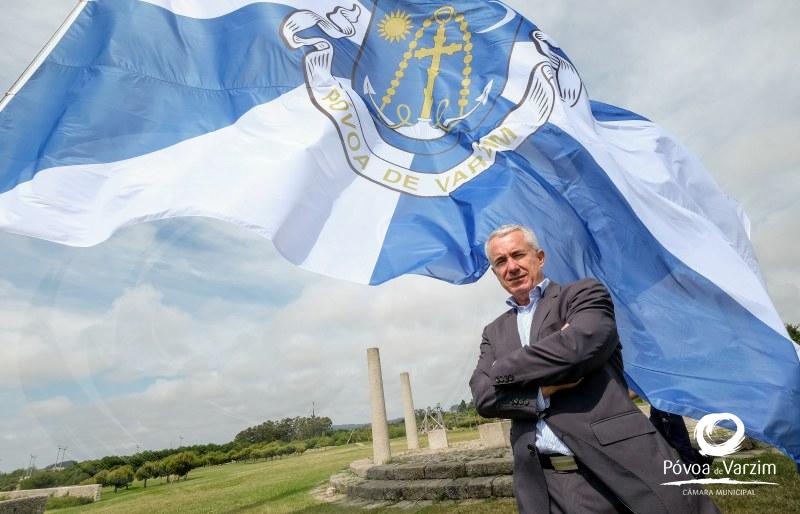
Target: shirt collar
(536, 293)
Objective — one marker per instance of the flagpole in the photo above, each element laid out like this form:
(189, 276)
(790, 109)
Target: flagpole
(43, 53)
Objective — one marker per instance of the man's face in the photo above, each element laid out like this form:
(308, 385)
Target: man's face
(517, 266)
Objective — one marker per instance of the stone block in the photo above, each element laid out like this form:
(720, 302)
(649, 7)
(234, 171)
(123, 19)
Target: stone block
(424, 489)
(437, 439)
(479, 487)
(25, 505)
(456, 489)
(488, 467)
(409, 472)
(344, 482)
(381, 472)
(86, 491)
(445, 470)
(495, 435)
(360, 467)
(389, 490)
(503, 486)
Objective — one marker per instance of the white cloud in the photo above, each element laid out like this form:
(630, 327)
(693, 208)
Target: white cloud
(25, 27)
(212, 378)
(52, 407)
(718, 76)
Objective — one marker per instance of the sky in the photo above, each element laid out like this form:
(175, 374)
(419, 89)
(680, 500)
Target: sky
(192, 330)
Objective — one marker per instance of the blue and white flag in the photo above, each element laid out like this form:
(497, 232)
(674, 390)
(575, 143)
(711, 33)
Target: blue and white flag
(372, 139)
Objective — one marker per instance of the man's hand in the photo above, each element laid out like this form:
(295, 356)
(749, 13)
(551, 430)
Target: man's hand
(549, 390)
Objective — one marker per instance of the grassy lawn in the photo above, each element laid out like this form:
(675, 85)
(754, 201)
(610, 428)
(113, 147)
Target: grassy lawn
(784, 497)
(272, 486)
(283, 486)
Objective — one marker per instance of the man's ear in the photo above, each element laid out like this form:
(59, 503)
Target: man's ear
(540, 255)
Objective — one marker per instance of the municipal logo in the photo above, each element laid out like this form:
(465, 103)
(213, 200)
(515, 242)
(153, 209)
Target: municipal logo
(703, 434)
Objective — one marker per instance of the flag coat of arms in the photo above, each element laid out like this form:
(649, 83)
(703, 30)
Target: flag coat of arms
(373, 139)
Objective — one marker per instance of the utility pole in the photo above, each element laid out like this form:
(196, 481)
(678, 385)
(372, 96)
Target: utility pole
(313, 404)
(181, 439)
(31, 465)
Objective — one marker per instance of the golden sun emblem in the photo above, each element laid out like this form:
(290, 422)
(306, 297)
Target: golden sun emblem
(395, 26)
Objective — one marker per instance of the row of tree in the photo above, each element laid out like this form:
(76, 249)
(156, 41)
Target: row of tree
(296, 436)
(288, 429)
(269, 440)
(178, 465)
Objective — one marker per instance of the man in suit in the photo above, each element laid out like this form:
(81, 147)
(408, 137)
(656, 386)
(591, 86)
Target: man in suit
(553, 364)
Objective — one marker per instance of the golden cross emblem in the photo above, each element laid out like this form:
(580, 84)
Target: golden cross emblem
(442, 17)
(394, 28)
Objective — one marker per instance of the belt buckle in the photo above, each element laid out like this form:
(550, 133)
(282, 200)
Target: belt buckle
(563, 463)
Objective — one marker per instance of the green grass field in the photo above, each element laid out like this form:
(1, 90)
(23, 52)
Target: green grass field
(284, 485)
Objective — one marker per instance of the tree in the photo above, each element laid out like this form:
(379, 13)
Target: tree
(121, 476)
(101, 477)
(216, 458)
(89, 467)
(146, 471)
(314, 426)
(161, 471)
(181, 464)
(110, 462)
(794, 331)
(286, 430)
(243, 454)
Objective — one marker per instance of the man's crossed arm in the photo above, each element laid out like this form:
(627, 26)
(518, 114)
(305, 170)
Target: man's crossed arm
(507, 387)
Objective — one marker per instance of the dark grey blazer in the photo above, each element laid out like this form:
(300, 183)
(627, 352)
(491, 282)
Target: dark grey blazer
(595, 419)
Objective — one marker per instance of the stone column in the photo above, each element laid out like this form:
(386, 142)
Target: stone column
(412, 438)
(381, 454)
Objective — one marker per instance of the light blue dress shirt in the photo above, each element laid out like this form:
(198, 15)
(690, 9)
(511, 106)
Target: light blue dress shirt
(546, 440)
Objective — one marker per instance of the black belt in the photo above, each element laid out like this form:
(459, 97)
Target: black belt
(558, 462)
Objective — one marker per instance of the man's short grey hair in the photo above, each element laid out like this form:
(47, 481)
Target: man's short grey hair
(527, 233)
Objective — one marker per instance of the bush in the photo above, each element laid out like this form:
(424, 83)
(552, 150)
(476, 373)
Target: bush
(397, 430)
(40, 480)
(326, 441)
(67, 501)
